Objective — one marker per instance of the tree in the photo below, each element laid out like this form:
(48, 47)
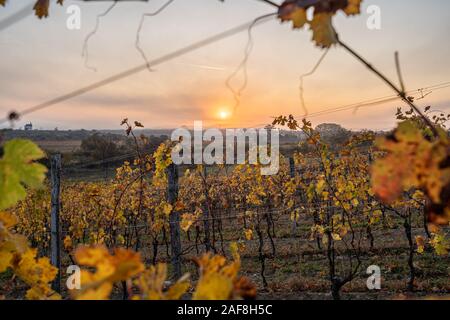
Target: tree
(333, 134)
(99, 147)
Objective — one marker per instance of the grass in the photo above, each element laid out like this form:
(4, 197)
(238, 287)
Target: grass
(63, 146)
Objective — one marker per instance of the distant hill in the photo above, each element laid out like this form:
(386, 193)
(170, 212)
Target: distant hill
(42, 135)
(62, 135)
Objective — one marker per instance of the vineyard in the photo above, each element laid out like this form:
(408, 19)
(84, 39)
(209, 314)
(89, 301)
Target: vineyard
(317, 229)
(315, 225)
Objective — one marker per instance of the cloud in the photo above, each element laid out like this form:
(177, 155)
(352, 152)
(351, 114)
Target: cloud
(179, 105)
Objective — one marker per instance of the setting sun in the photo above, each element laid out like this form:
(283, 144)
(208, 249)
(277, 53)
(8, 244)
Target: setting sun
(224, 114)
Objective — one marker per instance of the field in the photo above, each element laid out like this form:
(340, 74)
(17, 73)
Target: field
(59, 146)
(273, 219)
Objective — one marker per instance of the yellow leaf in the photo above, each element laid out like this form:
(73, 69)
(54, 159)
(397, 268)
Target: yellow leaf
(298, 18)
(320, 185)
(187, 220)
(97, 292)
(213, 286)
(323, 32)
(127, 264)
(293, 13)
(120, 239)
(68, 243)
(151, 284)
(218, 280)
(41, 8)
(353, 7)
(411, 161)
(420, 241)
(91, 256)
(5, 260)
(8, 220)
(376, 215)
(32, 270)
(336, 237)
(176, 291)
(325, 239)
(248, 234)
(152, 280)
(121, 266)
(440, 244)
(167, 209)
(41, 292)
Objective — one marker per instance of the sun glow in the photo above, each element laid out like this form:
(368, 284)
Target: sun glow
(224, 114)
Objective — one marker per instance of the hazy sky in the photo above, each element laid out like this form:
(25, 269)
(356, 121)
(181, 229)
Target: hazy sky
(41, 60)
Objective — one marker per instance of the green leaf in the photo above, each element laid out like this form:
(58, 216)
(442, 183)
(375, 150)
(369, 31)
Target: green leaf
(17, 170)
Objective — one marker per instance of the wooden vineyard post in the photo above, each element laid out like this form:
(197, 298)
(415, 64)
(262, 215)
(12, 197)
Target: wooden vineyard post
(55, 243)
(206, 215)
(292, 175)
(174, 219)
(291, 167)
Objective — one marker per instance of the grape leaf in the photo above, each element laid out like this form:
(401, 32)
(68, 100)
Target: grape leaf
(440, 244)
(213, 286)
(412, 160)
(292, 12)
(109, 269)
(324, 11)
(353, 7)
(420, 242)
(152, 281)
(15, 254)
(323, 32)
(41, 7)
(219, 280)
(18, 170)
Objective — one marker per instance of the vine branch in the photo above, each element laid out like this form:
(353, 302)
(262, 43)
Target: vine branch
(141, 24)
(301, 87)
(237, 93)
(399, 71)
(401, 93)
(85, 52)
